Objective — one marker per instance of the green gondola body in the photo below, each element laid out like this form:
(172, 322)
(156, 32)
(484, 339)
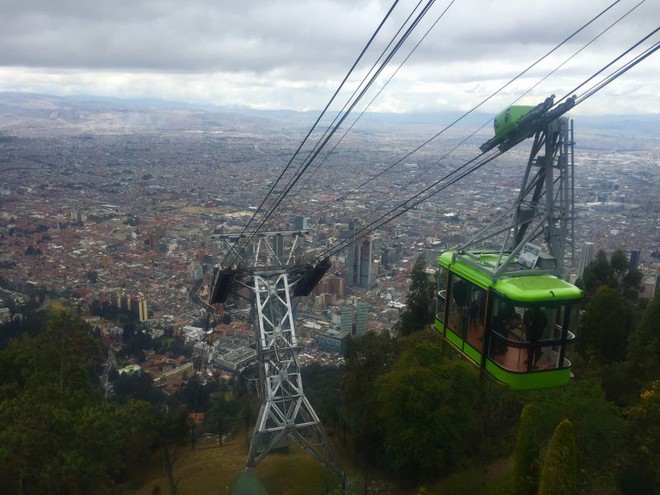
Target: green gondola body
(517, 329)
(507, 121)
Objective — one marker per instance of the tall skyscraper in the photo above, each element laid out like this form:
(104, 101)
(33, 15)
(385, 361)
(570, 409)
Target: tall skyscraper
(586, 256)
(355, 318)
(135, 305)
(366, 277)
(301, 223)
(361, 318)
(143, 314)
(347, 319)
(359, 258)
(634, 259)
(384, 258)
(351, 261)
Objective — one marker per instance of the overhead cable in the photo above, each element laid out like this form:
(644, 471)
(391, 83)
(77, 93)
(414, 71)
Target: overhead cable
(529, 90)
(610, 64)
(344, 116)
(350, 71)
(478, 105)
(389, 79)
(431, 190)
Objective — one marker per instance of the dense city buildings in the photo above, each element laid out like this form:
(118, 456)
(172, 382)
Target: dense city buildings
(120, 205)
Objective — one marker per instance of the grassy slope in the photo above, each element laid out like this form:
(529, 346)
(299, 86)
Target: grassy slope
(213, 470)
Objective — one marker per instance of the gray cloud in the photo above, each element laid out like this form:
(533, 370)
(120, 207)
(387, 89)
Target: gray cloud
(192, 36)
(284, 53)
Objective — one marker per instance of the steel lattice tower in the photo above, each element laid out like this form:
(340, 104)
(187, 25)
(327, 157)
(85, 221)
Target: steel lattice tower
(268, 271)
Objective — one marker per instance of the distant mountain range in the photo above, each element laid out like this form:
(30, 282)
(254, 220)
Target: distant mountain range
(29, 113)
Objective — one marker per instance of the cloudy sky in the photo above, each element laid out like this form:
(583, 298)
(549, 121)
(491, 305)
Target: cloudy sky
(292, 54)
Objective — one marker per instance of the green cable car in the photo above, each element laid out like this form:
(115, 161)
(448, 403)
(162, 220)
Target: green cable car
(517, 329)
(501, 300)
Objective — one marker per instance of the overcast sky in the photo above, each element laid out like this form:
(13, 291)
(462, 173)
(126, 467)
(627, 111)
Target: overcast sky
(292, 54)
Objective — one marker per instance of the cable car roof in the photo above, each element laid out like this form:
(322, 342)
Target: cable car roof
(528, 288)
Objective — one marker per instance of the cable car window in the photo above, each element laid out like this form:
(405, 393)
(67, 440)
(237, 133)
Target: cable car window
(507, 343)
(538, 327)
(573, 319)
(458, 306)
(507, 319)
(442, 294)
(476, 312)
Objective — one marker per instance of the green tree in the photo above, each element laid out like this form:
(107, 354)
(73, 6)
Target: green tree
(628, 281)
(606, 325)
(497, 420)
(559, 471)
(624, 380)
(57, 435)
(599, 273)
(601, 432)
(619, 263)
(115, 438)
(72, 350)
(427, 406)
(644, 346)
(642, 473)
(631, 285)
(137, 386)
(367, 358)
(323, 389)
(526, 457)
(173, 434)
(419, 310)
(614, 273)
(223, 413)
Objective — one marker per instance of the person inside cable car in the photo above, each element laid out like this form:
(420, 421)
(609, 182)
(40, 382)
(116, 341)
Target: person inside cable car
(503, 319)
(476, 313)
(535, 321)
(460, 291)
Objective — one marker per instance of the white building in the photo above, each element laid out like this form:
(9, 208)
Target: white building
(192, 334)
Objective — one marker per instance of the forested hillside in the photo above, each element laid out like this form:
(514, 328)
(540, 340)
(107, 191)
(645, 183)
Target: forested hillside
(58, 434)
(406, 410)
(418, 412)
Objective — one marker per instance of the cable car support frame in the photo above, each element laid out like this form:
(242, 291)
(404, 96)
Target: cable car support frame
(538, 231)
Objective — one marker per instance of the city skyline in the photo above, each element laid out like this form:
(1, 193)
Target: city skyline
(86, 198)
